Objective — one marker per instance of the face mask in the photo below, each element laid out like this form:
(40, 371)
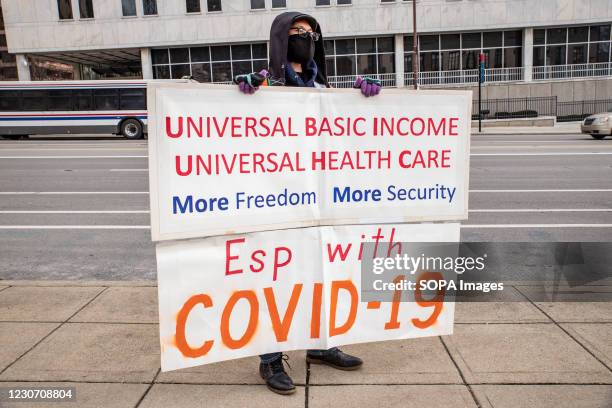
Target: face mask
(300, 49)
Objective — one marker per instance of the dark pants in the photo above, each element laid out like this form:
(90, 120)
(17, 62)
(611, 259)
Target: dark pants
(270, 357)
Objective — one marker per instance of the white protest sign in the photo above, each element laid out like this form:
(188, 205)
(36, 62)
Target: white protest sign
(228, 297)
(222, 162)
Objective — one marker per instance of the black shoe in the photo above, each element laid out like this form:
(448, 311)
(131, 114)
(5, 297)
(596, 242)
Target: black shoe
(334, 358)
(276, 377)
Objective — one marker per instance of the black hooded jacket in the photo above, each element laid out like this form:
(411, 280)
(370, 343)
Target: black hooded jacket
(279, 38)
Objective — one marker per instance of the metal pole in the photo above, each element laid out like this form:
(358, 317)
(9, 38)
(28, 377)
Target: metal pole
(415, 47)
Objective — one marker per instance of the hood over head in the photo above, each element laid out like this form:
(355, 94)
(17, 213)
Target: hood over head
(279, 37)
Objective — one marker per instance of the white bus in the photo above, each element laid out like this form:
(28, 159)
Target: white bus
(73, 107)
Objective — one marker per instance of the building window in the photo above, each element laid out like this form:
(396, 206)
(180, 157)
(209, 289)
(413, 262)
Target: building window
(572, 45)
(128, 8)
(258, 4)
(322, 3)
(343, 2)
(360, 56)
(455, 52)
(193, 6)
(149, 7)
(64, 8)
(214, 5)
(209, 64)
(279, 3)
(86, 9)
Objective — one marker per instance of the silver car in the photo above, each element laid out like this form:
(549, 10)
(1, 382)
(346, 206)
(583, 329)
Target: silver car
(598, 126)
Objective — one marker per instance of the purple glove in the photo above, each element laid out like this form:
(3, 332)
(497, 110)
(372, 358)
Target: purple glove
(369, 86)
(249, 83)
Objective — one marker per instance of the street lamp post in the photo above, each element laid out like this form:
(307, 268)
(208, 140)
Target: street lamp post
(415, 47)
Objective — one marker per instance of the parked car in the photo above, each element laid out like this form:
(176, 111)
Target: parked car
(598, 126)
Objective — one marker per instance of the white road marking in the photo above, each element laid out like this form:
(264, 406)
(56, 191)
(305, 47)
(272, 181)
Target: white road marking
(73, 157)
(68, 227)
(69, 192)
(590, 190)
(545, 154)
(120, 170)
(537, 210)
(76, 212)
(475, 226)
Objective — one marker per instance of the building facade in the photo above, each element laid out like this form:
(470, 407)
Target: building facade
(524, 41)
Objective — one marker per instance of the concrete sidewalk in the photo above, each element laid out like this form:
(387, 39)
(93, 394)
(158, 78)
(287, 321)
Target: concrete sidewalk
(102, 338)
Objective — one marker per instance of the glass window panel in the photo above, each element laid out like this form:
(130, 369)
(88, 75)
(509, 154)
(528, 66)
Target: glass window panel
(214, 5)
(492, 39)
(178, 55)
(577, 54)
(494, 57)
(450, 41)
(600, 33)
(345, 47)
(220, 53)
(322, 3)
(161, 71)
(599, 52)
(258, 4)
(64, 9)
(106, 99)
(193, 6)
(385, 44)
(132, 99)
(260, 50)
(429, 42)
(279, 3)
(201, 72)
(408, 43)
(513, 38)
(539, 56)
(408, 63)
(329, 47)
(258, 65)
(470, 59)
(330, 66)
(366, 64)
(556, 36)
(34, 100)
(200, 54)
(128, 7)
(241, 52)
(160, 56)
(60, 100)
(539, 37)
(10, 101)
(83, 100)
(343, 2)
(451, 60)
(578, 34)
(513, 57)
(366, 45)
(470, 40)
(149, 7)
(86, 9)
(386, 63)
(221, 72)
(345, 65)
(180, 70)
(241, 67)
(555, 55)
(430, 61)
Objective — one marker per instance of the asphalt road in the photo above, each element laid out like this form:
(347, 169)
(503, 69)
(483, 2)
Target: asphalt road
(522, 188)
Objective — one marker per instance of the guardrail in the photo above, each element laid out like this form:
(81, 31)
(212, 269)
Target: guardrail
(572, 71)
(514, 108)
(578, 110)
(467, 76)
(347, 81)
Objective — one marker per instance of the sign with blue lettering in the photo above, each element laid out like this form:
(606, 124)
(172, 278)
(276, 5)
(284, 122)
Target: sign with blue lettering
(221, 162)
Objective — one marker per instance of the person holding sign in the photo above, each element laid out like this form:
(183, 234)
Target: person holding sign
(297, 58)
